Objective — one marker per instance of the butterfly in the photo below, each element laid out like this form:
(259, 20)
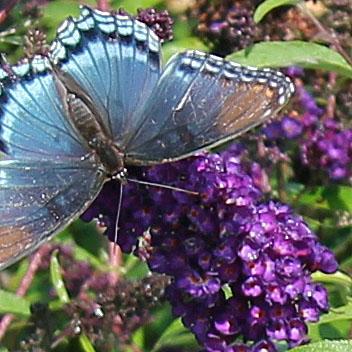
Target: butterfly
(101, 101)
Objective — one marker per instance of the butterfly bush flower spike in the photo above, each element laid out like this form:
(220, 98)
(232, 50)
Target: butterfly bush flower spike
(324, 143)
(229, 237)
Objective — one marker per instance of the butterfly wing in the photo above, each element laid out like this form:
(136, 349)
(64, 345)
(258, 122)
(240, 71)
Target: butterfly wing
(47, 178)
(201, 101)
(113, 58)
(33, 121)
(38, 199)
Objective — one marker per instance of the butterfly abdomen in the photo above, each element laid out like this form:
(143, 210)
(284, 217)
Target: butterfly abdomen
(95, 135)
(87, 120)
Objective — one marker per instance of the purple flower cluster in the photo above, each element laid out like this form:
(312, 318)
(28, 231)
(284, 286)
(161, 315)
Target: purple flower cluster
(240, 267)
(324, 143)
(159, 21)
(227, 26)
(329, 147)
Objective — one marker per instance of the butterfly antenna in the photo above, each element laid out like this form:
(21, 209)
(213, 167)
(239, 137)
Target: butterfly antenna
(118, 217)
(147, 183)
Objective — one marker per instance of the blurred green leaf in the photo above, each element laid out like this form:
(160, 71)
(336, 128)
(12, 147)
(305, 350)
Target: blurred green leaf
(82, 254)
(326, 346)
(13, 39)
(55, 12)
(269, 5)
(11, 303)
(293, 53)
(339, 197)
(333, 325)
(339, 284)
(336, 314)
(175, 335)
(188, 43)
(138, 337)
(338, 279)
(312, 195)
(86, 344)
(132, 6)
(57, 280)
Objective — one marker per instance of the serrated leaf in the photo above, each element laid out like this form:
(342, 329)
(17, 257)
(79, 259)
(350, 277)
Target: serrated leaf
(269, 5)
(11, 303)
(326, 346)
(57, 280)
(293, 53)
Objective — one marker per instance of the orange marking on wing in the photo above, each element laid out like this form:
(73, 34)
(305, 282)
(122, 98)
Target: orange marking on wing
(13, 241)
(245, 107)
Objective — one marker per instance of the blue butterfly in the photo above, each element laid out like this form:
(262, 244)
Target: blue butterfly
(100, 101)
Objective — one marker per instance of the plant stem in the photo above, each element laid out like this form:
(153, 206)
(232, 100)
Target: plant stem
(330, 35)
(281, 180)
(115, 261)
(4, 12)
(331, 105)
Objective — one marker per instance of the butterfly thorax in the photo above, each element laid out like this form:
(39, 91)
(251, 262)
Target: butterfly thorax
(88, 122)
(109, 156)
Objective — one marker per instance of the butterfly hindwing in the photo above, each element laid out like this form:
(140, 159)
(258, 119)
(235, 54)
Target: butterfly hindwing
(40, 198)
(201, 101)
(113, 58)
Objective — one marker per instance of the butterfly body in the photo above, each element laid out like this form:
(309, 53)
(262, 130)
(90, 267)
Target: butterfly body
(88, 123)
(101, 100)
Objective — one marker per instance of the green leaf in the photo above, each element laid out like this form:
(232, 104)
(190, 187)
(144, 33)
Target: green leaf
(132, 6)
(326, 346)
(330, 324)
(86, 344)
(175, 335)
(57, 280)
(183, 44)
(55, 12)
(339, 197)
(293, 53)
(340, 279)
(269, 5)
(82, 254)
(11, 303)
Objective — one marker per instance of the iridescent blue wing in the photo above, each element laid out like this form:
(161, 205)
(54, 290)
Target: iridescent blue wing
(201, 101)
(33, 122)
(40, 198)
(115, 60)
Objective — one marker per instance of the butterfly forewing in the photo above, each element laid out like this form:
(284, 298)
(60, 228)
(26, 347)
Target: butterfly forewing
(33, 121)
(201, 101)
(40, 198)
(113, 58)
